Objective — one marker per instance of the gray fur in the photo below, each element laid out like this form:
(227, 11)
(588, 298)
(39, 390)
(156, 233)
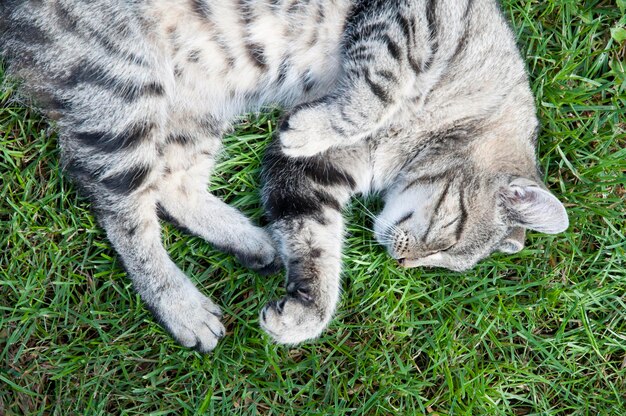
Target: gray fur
(434, 111)
(426, 101)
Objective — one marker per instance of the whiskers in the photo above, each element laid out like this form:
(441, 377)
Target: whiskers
(390, 231)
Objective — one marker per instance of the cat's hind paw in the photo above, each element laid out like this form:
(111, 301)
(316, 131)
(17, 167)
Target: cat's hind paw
(191, 318)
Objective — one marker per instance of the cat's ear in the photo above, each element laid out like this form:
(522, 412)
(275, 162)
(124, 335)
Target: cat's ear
(514, 242)
(530, 206)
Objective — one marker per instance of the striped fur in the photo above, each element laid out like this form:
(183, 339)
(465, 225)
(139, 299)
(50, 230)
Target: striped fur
(433, 111)
(426, 101)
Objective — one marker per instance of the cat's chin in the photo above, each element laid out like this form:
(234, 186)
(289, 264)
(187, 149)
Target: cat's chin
(439, 259)
(434, 260)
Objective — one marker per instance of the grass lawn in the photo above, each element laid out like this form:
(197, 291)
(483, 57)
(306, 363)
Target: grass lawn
(540, 332)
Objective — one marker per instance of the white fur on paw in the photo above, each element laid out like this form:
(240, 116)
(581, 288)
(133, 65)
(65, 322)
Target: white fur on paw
(191, 318)
(290, 321)
(308, 134)
(308, 146)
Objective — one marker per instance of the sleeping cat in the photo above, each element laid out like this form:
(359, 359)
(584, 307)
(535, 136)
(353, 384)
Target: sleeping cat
(424, 101)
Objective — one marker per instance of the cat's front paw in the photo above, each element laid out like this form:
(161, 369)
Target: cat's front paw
(191, 318)
(292, 320)
(307, 133)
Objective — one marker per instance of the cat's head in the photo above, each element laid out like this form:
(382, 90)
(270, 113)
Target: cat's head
(456, 218)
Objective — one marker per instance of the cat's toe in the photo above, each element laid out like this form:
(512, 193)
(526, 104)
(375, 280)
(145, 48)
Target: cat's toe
(264, 261)
(257, 252)
(272, 268)
(193, 321)
(291, 320)
(260, 264)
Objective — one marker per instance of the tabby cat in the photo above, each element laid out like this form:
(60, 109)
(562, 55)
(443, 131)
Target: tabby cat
(424, 101)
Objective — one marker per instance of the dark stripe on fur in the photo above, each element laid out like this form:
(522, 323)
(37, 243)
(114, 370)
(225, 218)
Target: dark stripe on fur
(282, 204)
(435, 209)
(89, 34)
(327, 199)
(24, 32)
(378, 90)
(128, 181)
(404, 219)
(94, 74)
(283, 70)
(152, 88)
(388, 75)
(108, 142)
(392, 47)
(245, 12)
(289, 185)
(427, 179)
(461, 45)
(408, 26)
(325, 173)
(180, 138)
(463, 219)
(340, 131)
(201, 8)
(193, 56)
(256, 53)
(345, 117)
(431, 18)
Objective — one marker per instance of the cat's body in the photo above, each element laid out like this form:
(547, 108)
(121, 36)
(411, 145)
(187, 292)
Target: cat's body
(426, 101)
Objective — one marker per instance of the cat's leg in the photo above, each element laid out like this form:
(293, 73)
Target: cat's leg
(123, 188)
(100, 71)
(133, 228)
(186, 202)
(304, 198)
(118, 158)
(388, 63)
(361, 107)
(380, 74)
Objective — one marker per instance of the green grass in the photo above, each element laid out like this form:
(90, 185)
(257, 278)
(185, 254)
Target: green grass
(540, 332)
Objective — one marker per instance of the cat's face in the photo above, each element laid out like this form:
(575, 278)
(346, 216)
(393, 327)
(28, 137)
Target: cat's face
(453, 223)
